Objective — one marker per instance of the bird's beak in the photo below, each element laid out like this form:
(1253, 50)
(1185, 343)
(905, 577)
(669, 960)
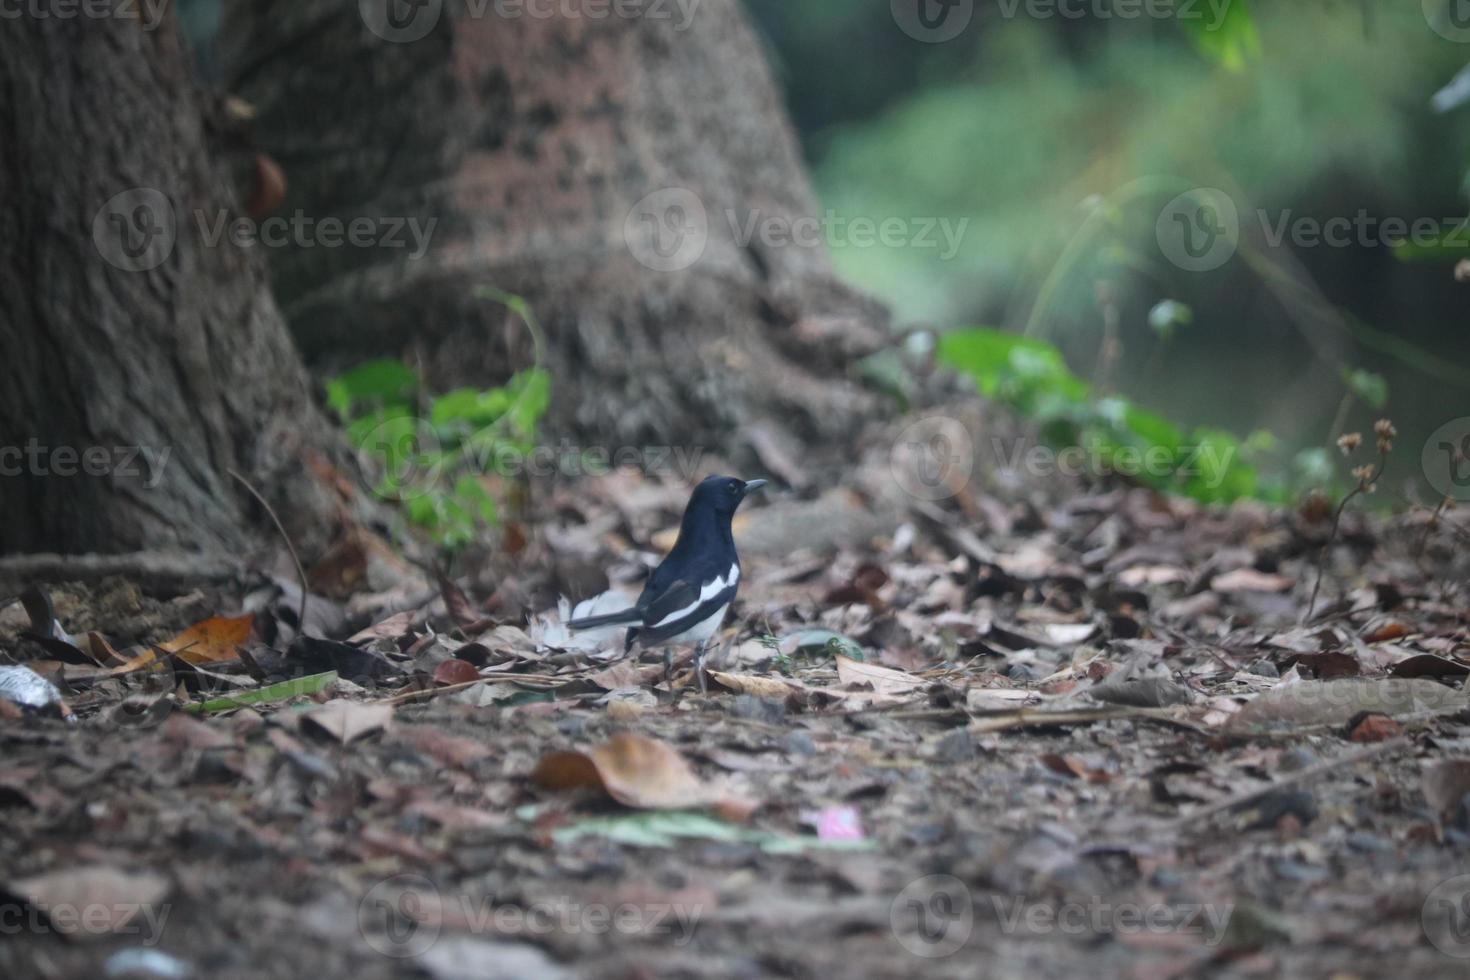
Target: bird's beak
(751, 485)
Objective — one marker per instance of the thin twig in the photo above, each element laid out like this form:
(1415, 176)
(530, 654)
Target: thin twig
(1301, 775)
(1433, 523)
(1362, 487)
(300, 569)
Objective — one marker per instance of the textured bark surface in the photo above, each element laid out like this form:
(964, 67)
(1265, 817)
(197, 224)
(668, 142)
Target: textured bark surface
(530, 140)
(127, 338)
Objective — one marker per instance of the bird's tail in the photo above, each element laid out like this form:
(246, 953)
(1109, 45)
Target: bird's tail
(611, 619)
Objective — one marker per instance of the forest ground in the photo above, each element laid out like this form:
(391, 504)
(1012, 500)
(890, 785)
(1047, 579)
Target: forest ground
(1038, 733)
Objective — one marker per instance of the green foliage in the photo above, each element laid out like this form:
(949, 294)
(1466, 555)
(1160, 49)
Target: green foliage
(436, 451)
(1209, 465)
(1371, 388)
(1231, 42)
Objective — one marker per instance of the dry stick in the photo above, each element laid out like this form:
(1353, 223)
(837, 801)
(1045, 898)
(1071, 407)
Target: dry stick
(300, 569)
(1332, 535)
(1310, 772)
(1433, 523)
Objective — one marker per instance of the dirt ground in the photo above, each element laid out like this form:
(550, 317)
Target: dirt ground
(1078, 734)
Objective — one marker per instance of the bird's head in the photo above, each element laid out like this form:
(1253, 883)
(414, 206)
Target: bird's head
(722, 494)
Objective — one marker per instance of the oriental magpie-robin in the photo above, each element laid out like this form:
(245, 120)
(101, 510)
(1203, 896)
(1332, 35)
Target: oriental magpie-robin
(688, 594)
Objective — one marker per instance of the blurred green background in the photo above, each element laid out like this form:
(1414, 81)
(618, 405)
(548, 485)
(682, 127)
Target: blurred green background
(1061, 132)
(1063, 139)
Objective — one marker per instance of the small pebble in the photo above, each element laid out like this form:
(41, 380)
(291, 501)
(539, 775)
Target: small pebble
(957, 746)
(758, 709)
(800, 743)
(1296, 759)
(1020, 672)
(1264, 668)
(572, 726)
(1362, 841)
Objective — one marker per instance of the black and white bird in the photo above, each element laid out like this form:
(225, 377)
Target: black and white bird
(688, 594)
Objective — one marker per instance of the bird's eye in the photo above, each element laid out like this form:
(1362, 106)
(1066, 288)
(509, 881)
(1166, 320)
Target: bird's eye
(734, 488)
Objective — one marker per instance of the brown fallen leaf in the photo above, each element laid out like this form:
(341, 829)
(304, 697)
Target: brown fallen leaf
(882, 679)
(1446, 782)
(1250, 580)
(1308, 703)
(1376, 728)
(347, 721)
(756, 685)
(389, 629)
(1428, 665)
(1072, 765)
(212, 640)
(455, 671)
(112, 897)
(637, 771)
(451, 750)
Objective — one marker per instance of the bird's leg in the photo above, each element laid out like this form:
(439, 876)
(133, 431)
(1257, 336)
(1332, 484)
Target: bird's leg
(668, 663)
(699, 668)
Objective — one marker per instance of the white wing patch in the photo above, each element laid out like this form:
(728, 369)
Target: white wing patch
(707, 593)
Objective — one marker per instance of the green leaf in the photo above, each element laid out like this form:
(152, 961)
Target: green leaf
(283, 691)
(1229, 39)
(667, 828)
(384, 380)
(1020, 365)
(1372, 388)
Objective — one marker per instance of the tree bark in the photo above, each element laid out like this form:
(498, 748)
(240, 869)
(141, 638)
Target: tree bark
(564, 157)
(143, 362)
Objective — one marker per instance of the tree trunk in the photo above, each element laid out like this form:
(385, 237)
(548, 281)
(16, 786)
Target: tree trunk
(605, 168)
(142, 363)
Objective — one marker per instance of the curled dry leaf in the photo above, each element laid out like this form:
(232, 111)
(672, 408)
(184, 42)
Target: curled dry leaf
(637, 771)
(1446, 783)
(349, 720)
(882, 679)
(756, 685)
(112, 896)
(455, 671)
(212, 640)
(1250, 580)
